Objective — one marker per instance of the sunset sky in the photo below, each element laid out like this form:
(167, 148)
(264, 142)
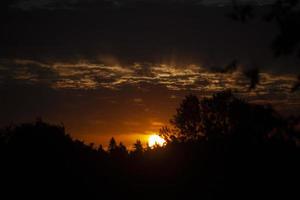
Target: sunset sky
(119, 68)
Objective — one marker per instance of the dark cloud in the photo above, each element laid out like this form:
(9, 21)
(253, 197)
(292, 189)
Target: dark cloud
(73, 4)
(191, 35)
(26, 72)
(98, 66)
(96, 101)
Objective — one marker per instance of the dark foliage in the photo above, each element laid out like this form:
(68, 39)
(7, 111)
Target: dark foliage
(286, 14)
(229, 68)
(219, 147)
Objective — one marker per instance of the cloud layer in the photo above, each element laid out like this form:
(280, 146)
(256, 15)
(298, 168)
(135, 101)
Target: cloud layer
(112, 68)
(87, 75)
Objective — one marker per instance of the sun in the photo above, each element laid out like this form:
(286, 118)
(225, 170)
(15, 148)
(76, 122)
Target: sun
(156, 140)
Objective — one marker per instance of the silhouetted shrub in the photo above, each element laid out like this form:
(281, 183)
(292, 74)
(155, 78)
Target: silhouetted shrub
(219, 147)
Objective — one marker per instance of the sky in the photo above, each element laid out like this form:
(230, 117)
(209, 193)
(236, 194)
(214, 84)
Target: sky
(120, 68)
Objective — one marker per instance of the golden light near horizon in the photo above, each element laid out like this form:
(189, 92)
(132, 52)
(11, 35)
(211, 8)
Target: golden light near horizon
(156, 140)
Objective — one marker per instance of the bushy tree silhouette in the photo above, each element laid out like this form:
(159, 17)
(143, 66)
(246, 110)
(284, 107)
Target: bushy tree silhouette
(112, 147)
(122, 150)
(138, 149)
(220, 116)
(219, 147)
(187, 119)
(284, 13)
(42, 156)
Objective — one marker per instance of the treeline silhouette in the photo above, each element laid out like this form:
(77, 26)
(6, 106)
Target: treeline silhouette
(217, 147)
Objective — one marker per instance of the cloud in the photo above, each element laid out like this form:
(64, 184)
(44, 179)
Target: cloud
(59, 4)
(201, 35)
(27, 72)
(87, 63)
(138, 100)
(85, 75)
(72, 4)
(157, 124)
(80, 94)
(131, 123)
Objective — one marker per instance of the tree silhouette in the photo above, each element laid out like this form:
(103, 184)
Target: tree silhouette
(187, 119)
(239, 148)
(286, 14)
(122, 150)
(226, 115)
(217, 114)
(117, 151)
(101, 151)
(220, 116)
(138, 148)
(112, 147)
(170, 134)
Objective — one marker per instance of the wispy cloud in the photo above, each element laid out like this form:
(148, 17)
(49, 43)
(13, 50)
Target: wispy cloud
(88, 75)
(100, 93)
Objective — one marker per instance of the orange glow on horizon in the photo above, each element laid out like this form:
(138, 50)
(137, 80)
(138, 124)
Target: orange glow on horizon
(156, 140)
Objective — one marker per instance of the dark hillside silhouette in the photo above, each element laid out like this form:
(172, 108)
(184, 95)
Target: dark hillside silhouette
(218, 147)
